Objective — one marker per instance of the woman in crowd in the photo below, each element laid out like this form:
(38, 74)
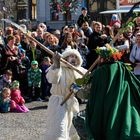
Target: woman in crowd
(11, 56)
(52, 44)
(68, 41)
(135, 56)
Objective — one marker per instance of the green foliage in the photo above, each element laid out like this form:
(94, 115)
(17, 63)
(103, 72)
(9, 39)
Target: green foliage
(129, 67)
(83, 81)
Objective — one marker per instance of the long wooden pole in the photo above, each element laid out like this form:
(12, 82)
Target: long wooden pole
(66, 98)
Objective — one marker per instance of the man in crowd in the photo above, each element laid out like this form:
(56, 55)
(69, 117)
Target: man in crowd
(83, 17)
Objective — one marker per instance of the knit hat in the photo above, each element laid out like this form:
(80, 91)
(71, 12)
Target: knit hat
(115, 17)
(71, 26)
(84, 8)
(34, 62)
(15, 83)
(68, 51)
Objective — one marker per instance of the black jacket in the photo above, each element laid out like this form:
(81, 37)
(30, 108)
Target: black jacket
(82, 19)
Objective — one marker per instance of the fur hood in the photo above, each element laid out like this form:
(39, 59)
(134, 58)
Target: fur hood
(68, 51)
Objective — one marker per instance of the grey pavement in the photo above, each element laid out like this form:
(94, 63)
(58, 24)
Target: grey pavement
(27, 126)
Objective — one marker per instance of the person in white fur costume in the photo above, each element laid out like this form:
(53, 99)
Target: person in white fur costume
(59, 118)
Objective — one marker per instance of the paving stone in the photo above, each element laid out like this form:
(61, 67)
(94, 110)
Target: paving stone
(27, 126)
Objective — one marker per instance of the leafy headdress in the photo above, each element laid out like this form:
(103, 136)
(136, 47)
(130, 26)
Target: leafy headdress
(109, 53)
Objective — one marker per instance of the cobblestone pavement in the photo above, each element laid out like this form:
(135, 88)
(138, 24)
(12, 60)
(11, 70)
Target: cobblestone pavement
(27, 126)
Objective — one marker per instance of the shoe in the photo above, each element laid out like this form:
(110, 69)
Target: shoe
(47, 98)
(38, 99)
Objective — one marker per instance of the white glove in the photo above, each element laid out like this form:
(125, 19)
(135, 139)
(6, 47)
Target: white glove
(56, 60)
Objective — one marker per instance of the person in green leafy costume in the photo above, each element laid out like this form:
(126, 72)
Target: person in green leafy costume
(113, 108)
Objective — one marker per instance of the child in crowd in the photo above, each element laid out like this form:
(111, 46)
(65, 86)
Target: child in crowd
(17, 101)
(6, 79)
(22, 71)
(45, 85)
(5, 100)
(34, 81)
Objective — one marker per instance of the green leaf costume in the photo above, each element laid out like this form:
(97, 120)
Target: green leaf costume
(113, 109)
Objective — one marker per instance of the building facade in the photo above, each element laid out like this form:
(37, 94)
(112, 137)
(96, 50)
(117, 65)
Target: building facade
(54, 19)
(96, 6)
(41, 11)
(50, 15)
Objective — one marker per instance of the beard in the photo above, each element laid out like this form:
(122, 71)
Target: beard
(72, 61)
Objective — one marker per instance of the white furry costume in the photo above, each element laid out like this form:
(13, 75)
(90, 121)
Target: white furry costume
(59, 118)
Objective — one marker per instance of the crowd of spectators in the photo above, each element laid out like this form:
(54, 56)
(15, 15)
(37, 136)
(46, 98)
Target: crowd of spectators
(22, 59)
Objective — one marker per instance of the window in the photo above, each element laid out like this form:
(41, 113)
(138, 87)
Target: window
(54, 9)
(33, 9)
(57, 6)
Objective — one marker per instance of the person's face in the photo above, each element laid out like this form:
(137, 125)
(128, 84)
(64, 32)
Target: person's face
(34, 66)
(8, 76)
(65, 30)
(33, 44)
(40, 33)
(11, 42)
(72, 59)
(45, 62)
(71, 29)
(69, 38)
(138, 21)
(85, 25)
(57, 35)
(98, 28)
(6, 94)
(84, 12)
(120, 37)
(129, 33)
(1, 33)
(17, 40)
(34, 35)
(17, 87)
(50, 40)
(9, 32)
(43, 27)
(138, 39)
